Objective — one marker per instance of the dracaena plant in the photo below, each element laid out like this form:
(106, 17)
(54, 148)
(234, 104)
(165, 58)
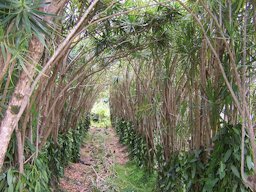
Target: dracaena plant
(24, 18)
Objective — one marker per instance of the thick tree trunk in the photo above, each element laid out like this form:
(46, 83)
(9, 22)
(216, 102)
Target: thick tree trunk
(22, 89)
(9, 121)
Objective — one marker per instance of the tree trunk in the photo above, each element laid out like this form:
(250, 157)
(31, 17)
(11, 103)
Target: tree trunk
(22, 89)
(9, 121)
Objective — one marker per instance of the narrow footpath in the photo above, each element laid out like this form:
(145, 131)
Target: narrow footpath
(100, 151)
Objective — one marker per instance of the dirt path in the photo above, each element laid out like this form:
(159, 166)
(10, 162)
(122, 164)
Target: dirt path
(99, 152)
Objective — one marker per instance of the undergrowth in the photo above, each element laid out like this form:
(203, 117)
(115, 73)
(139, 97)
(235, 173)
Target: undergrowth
(42, 173)
(136, 144)
(130, 178)
(204, 170)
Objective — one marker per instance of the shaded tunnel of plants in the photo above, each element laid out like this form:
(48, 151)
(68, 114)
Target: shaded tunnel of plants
(181, 83)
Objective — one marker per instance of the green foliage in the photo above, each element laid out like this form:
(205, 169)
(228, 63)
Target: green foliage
(223, 169)
(67, 150)
(12, 149)
(23, 17)
(48, 167)
(36, 177)
(182, 173)
(217, 171)
(201, 170)
(101, 110)
(130, 178)
(136, 143)
(8, 179)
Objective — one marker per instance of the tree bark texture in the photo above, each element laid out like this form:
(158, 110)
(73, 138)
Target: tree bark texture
(22, 89)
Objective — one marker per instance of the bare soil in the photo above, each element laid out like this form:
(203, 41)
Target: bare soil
(101, 149)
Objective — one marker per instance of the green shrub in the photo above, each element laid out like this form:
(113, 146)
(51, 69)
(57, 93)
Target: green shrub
(223, 169)
(36, 177)
(182, 173)
(220, 173)
(202, 170)
(135, 142)
(48, 167)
